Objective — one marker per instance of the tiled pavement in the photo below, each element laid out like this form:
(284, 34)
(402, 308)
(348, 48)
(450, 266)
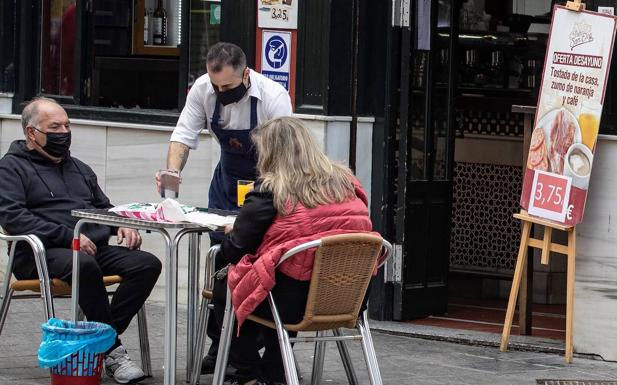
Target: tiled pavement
(403, 359)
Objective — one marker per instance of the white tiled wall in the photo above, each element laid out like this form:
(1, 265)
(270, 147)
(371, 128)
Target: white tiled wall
(595, 292)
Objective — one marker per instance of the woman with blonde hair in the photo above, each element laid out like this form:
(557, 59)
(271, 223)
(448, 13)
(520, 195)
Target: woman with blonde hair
(300, 195)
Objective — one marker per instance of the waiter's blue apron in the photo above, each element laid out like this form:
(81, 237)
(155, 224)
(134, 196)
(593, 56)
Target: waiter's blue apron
(238, 160)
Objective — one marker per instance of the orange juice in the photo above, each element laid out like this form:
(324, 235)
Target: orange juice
(244, 187)
(590, 124)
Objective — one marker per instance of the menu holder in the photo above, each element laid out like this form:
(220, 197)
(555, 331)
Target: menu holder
(547, 246)
(558, 166)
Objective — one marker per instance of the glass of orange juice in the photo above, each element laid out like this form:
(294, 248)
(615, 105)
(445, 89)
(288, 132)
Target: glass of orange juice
(589, 121)
(244, 187)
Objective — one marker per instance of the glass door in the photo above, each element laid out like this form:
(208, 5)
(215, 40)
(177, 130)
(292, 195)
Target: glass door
(426, 148)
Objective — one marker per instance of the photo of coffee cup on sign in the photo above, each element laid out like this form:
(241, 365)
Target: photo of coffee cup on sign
(564, 145)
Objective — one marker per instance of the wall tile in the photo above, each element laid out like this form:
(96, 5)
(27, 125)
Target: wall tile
(595, 293)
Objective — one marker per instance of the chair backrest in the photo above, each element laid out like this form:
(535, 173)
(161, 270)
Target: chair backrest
(342, 270)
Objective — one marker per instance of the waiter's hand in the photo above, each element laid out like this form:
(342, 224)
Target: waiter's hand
(177, 154)
(86, 245)
(132, 237)
(157, 180)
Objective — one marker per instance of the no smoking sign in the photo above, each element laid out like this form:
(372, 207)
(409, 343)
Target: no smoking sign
(276, 56)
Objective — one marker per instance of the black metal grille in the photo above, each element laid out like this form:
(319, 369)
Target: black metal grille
(485, 236)
(493, 123)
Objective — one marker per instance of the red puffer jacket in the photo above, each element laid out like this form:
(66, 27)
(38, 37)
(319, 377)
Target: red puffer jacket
(252, 278)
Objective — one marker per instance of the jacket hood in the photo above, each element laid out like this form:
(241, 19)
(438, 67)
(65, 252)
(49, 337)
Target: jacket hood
(20, 149)
(40, 195)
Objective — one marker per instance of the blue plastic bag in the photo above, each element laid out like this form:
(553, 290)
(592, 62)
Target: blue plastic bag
(63, 338)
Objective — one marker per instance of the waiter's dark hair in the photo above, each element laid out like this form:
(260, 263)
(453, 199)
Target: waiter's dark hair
(226, 54)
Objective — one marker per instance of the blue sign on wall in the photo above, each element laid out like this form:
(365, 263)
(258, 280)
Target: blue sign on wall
(275, 56)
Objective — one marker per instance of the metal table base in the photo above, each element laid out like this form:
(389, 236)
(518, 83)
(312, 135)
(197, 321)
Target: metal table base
(104, 217)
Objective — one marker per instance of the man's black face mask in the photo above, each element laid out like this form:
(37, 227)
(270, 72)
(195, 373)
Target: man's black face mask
(58, 143)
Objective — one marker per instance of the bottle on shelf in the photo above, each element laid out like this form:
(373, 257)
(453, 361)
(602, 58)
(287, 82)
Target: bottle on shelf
(146, 26)
(159, 25)
(495, 71)
(150, 28)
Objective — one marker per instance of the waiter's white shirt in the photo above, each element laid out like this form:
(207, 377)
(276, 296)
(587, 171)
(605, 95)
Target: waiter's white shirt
(272, 101)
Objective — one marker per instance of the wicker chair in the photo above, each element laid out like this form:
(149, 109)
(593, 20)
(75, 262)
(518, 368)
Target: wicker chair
(342, 271)
(48, 288)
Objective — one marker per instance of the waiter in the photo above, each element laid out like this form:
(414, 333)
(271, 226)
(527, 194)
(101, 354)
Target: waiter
(230, 100)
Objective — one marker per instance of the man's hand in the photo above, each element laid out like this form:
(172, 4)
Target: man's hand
(229, 229)
(131, 236)
(86, 245)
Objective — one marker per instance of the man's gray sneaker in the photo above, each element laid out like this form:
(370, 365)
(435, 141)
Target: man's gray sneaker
(119, 366)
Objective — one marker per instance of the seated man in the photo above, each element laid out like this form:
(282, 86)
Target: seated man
(41, 184)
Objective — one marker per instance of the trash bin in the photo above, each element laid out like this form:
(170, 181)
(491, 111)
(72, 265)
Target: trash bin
(74, 351)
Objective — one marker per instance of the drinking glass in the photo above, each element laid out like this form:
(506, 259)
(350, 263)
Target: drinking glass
(244, 187)
(170, 183)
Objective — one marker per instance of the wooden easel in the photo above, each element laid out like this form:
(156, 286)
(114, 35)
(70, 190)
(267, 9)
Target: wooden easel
(546, 245)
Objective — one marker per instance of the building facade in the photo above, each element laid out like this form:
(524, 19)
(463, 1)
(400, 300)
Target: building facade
(416, 96)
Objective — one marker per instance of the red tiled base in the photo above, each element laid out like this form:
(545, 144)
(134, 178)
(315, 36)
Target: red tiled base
(548, 321)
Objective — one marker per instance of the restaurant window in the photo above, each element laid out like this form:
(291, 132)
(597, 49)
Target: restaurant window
(125, 54)
(205, 32)
(7, 46)
(58, 47)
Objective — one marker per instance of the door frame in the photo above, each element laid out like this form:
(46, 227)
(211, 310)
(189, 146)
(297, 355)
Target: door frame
(407, 46)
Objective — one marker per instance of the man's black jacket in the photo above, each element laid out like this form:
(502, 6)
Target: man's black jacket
(37, 196)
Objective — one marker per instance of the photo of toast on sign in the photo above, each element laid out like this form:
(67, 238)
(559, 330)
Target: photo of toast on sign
(555, 133)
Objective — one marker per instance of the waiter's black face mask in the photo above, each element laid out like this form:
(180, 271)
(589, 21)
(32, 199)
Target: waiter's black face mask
(231, 95)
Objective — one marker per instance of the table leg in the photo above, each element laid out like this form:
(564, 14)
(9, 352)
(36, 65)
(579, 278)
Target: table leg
(193, 287)
(171, 311)
(75, 275)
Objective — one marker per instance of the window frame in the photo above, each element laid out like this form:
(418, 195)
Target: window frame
(8, 42)
(28, 84)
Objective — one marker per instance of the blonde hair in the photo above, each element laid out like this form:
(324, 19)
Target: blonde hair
(295, 169)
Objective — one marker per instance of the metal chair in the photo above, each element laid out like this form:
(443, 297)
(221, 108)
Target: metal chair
(50, 288)
(342, 271)
(204, 315)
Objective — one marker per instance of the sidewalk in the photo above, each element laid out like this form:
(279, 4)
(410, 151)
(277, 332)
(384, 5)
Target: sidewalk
(403, 359)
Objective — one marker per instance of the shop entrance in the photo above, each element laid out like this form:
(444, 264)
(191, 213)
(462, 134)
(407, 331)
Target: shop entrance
(425, 160)
(460, 155)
